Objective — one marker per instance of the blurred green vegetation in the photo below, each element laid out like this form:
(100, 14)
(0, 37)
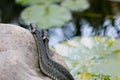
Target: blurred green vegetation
(89, 17)
(91, 58)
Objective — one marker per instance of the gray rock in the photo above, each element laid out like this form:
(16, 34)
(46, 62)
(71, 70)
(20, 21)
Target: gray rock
(18, 55)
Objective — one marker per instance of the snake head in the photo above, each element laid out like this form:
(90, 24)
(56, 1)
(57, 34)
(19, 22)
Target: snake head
(45, 34)
(32, 28)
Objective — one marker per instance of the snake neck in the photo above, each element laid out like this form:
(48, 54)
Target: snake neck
(45, 62)
(57, 65)
(47, 65)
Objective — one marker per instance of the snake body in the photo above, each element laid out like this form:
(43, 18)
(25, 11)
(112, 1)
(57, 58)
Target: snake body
(47, 65)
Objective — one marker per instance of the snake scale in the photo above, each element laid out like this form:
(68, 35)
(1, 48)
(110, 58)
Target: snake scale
(48, 67)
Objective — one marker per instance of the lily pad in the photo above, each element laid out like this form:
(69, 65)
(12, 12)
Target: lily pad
(115, 0)
(30, 2)
(75, 5)
(46, 16)
(93, 58)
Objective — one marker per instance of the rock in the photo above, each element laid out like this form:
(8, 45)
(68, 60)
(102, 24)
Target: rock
(18, 55)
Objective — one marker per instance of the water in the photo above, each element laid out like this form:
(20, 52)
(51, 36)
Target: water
(102, 18)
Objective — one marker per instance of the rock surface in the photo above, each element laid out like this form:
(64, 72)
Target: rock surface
(18, 55)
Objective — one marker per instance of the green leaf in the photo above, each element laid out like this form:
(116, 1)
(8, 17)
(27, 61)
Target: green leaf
(31, 2)
(46, 16)
(75, 5)
(93, 55)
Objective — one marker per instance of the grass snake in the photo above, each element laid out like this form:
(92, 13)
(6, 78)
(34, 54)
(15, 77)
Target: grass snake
(48, 67)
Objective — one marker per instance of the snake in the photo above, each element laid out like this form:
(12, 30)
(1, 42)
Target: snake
(47, 65)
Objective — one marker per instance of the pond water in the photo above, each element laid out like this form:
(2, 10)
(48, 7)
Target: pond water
(102, 18)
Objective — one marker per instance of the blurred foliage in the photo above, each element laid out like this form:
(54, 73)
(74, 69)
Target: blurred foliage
(46, 16)
(98, 12)
(90, 76)
(7, 8)
(39, 2)
(94, 13)
(75, 5)
(93, 58)
(50, 17)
